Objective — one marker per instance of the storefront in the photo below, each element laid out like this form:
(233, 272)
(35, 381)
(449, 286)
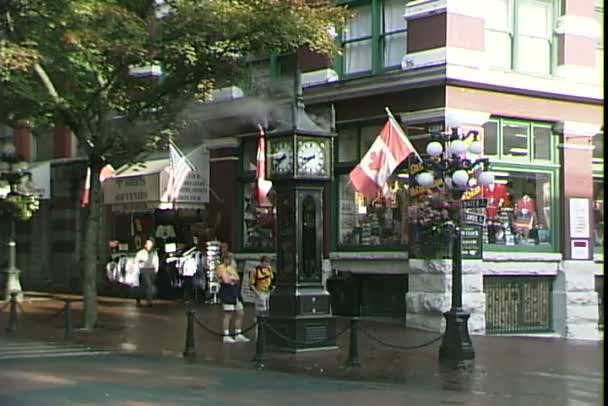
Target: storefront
(147, 201)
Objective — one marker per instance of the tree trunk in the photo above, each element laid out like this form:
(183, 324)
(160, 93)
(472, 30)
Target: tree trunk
(90, 244)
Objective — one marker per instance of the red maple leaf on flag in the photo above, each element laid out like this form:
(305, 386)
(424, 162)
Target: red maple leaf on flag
(377, 160)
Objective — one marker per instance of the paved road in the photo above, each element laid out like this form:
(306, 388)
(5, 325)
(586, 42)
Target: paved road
(14, 350)
(96, 379)
(145, 367)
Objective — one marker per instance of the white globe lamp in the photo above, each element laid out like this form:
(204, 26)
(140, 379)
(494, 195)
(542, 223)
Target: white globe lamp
(434, 148)
(457, 147)
(476, 147)
(460, 178)
(425, 179)
(486, 178)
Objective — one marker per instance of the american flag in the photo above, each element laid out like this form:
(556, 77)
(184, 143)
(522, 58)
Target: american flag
(180, 168)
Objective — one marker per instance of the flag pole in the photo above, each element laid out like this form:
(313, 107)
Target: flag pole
(390, 115)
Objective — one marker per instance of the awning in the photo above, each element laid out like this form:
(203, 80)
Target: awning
(144, 186)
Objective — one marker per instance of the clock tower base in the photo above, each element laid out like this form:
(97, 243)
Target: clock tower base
(300, 320)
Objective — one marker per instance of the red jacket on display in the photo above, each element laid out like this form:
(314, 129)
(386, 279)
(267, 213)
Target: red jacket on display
(498, 196)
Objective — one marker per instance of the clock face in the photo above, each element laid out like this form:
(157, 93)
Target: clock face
(281, 157)
(312, 155)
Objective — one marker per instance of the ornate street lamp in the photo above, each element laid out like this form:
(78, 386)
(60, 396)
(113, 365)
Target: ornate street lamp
(19, 205)
(447, 161)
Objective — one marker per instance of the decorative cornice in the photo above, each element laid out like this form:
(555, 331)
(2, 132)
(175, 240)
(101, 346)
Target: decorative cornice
(577, 25)
(426, 8)
(577, 128)
(319, 77)
(450, 116)
(224, 142)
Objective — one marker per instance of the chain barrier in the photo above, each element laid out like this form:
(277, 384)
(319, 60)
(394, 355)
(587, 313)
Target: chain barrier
(217, 334)
(298, 342)
(400, 347)
(8, 303)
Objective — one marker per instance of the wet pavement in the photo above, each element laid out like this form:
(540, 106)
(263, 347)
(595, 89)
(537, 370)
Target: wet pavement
(507, 370)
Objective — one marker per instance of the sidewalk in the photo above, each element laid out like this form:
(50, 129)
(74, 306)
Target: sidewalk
(538, 368)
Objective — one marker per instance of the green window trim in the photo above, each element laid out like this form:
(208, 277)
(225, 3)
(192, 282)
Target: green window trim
(554, 178)
(530, 152)
(516, 35)
(379, 40)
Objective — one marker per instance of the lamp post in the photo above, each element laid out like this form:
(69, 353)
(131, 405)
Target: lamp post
(12, 171)
(448, 162)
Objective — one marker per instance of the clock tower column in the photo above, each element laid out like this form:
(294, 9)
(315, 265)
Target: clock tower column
(299, 163)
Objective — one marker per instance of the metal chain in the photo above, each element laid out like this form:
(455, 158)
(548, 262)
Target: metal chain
(215, 333)
(400, 347)
(294, 341)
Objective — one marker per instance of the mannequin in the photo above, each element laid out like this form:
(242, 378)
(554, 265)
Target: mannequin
(498, 198)
(525, 215)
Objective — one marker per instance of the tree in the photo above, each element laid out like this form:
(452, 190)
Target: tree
(71, 61)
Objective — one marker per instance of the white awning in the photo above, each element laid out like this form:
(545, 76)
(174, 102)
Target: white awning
(143, 186)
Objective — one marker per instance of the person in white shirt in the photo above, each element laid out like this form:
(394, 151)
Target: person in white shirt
(147, 259)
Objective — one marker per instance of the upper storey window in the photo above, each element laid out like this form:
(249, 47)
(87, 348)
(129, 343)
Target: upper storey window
(519, 35)
(375, 37)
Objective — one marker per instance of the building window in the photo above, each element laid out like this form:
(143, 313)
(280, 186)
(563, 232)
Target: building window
(258, 221)
(375, 37)
(380, 223)
(519, 210)
(519, 35)
(599, 49)
(522, 203)
(519, 141)
(598, 214)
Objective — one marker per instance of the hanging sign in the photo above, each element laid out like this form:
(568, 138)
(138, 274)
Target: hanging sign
(470, 217)
(471, 242)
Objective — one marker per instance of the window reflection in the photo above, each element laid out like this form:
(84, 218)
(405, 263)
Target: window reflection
(598, 212)
(258, 222)
(379, 222)
(518, 210)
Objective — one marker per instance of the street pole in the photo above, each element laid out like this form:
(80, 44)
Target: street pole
(456, 344)
(12, 272)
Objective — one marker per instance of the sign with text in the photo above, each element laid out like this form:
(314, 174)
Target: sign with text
(471, 242)
(470, 217)
(144, 185)
(579, 218)
(474, 203)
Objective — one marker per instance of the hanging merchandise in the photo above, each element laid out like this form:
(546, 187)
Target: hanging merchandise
(213, 260)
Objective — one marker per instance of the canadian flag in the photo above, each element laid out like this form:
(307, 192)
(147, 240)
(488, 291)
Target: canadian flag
(263, 186)
(389, 149)
(106, 172)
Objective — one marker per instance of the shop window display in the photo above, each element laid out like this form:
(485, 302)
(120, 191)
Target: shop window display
(518, 210)
(258, 222)
(375, 223)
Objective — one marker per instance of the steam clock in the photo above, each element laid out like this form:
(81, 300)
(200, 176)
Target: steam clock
(299, 160)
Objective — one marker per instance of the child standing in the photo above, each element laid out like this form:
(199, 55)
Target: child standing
(262, 280)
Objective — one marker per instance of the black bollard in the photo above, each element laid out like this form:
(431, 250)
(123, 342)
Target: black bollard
(67, 312)
(12, 318)
(190, 351)
(353, 350)
(260, 343)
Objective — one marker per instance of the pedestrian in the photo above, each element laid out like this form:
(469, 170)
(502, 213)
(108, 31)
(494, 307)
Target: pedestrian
(262, 282)
(225, 250)
(147, 260)
(232, 301)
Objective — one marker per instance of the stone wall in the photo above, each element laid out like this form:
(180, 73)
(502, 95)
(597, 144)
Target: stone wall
(575, 301)
(430, 292)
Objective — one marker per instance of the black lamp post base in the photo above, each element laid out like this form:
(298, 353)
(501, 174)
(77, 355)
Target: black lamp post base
(456, 344)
